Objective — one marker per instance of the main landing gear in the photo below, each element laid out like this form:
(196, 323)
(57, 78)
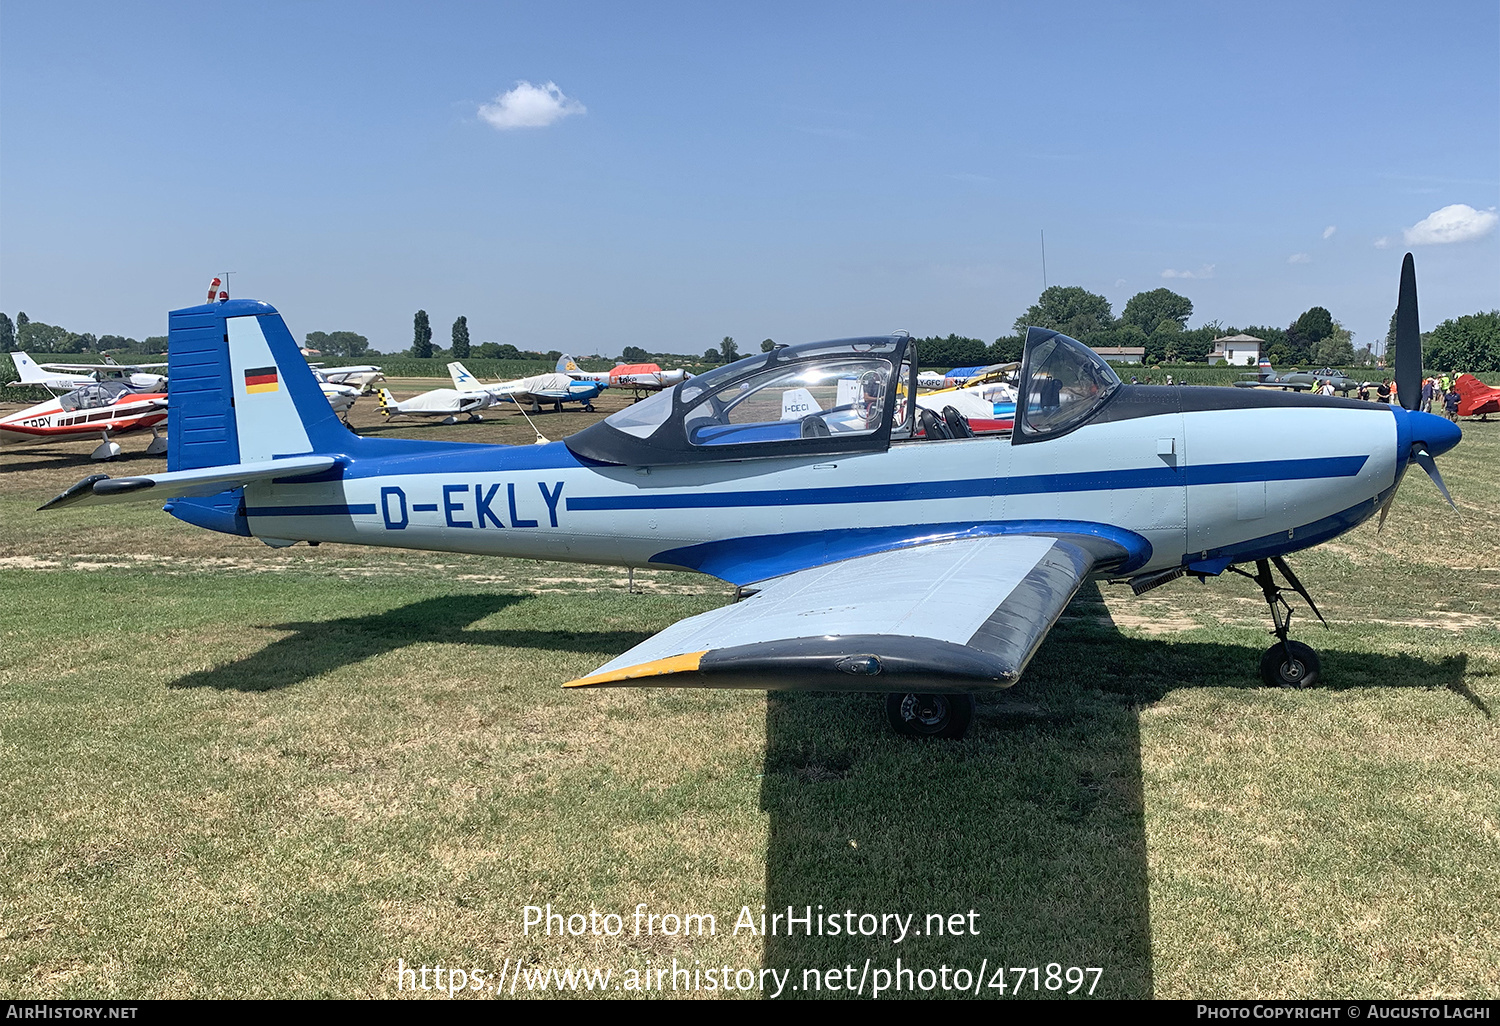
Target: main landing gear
(1286, 664)
(929, 715)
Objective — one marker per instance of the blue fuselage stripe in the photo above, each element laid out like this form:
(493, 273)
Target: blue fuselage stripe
(920, 491)
(335, 509)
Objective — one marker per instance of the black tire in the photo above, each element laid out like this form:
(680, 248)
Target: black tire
(929, 715)
(1301, 671)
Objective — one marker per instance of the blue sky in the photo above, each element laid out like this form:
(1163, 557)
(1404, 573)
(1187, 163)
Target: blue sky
(791, 171)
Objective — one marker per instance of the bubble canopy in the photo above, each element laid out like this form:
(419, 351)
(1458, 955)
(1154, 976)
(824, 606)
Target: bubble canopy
(812, 399)
(1063, 384)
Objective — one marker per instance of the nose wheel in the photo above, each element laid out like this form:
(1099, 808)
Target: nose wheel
(1288, 663)
(929, 715)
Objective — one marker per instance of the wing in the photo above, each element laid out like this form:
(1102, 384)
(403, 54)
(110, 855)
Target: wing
(101, 488)
(949, 616)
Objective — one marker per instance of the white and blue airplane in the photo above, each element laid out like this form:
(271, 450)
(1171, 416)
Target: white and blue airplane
(867, 556)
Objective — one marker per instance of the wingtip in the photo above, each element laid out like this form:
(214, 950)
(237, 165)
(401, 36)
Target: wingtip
(686, 663)
(74, 493)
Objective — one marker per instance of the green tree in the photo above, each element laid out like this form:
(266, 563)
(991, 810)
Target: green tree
(1069, 309)
(634, 354)
(40, 337)
(768, 345)
(156, 344)
(1334, 350)
(1146, 310)
(953, 351)
(1005, 349)
(1304, 334)
(337, 343)
(461, 339)
(421, 341)
(7, 334)
(1468, 343)
(711, 356)
(728, 350)
(21, 321)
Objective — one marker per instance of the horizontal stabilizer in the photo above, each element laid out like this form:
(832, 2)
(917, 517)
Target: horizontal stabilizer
(99, 489)
(948, 616)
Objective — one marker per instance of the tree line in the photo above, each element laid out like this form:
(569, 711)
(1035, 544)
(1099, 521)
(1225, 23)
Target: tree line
(1155, 321)
(462, 347)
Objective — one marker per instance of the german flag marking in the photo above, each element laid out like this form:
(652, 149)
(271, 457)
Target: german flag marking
(262, 379)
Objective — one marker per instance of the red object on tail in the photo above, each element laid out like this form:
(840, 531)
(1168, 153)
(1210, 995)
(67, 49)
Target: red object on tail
(213, 287)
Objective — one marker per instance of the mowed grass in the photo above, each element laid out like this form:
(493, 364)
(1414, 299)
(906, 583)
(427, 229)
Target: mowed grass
(232, 771)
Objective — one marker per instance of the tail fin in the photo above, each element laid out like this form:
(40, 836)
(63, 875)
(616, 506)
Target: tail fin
(30, 373)
(565, 363)
(241, 390)
(463, 381)
(388, 407)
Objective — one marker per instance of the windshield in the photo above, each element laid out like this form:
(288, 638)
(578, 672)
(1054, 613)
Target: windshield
(643, 418)
(91, 397)
(807, 399)
(1063, 382)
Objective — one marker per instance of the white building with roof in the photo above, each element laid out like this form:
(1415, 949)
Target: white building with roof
(1237, 350)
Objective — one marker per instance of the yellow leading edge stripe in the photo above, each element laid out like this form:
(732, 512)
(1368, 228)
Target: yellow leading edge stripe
(655, 668)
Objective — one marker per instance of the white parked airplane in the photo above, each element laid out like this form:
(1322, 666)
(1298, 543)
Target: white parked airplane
(551, 389)
(447, 403)
(64, 377)
(868, 558)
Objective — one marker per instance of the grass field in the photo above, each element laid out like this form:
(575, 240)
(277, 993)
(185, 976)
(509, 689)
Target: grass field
(237, 771)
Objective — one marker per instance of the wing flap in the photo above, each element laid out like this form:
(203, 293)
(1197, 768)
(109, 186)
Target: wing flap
(946, 616)
(99, 489)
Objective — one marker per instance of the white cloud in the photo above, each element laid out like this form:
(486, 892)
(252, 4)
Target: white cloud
(1119, 283)
(1206, 271)
(1299, 258)
(529, 106)
(1382, 242)
(1328, 232)
(1457, 222)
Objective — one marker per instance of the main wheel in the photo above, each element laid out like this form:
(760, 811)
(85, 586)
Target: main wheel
(929, 715)
(1300, 671)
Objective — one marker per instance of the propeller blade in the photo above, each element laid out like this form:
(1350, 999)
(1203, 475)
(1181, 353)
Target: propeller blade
(1291, 579)
(1383, 511)
(1408, 357)
(1424, 460)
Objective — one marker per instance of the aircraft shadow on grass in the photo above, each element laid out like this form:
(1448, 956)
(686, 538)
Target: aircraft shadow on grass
(1036, 821)
(326, 645)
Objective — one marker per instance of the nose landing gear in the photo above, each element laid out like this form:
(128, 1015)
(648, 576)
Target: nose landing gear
(1286, 664)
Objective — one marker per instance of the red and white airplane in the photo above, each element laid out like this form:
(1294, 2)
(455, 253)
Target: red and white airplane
(644, 377)
(102, 408)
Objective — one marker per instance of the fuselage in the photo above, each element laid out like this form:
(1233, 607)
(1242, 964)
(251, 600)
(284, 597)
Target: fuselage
(1171, 476)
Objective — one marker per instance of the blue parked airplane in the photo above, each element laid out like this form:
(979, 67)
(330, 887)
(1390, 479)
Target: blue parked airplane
(869, 555)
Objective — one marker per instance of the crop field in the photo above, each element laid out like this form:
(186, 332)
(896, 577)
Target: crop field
(232, 771)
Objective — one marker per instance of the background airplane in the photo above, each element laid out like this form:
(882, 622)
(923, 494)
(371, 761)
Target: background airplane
(102, 408)
(1300, 381)
(866, 558)
(642, 377)
(61, 377)
(1475, 398)
(446, 403)
(540, 389)
(363, 378)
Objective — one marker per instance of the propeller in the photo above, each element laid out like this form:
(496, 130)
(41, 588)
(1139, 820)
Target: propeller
(1408, 360)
